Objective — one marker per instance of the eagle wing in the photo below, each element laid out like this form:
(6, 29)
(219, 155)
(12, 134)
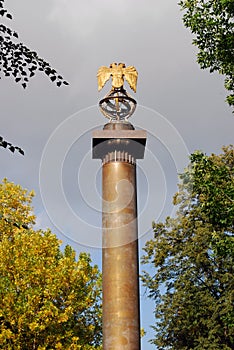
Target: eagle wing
(131, 75)
(103, 75)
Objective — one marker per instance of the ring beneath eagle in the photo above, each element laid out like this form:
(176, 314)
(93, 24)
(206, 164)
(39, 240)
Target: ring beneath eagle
(117, 105)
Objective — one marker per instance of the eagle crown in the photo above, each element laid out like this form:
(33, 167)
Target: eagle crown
(117, 72)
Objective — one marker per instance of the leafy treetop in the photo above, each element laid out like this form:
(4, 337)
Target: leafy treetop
(49, 300)
(17, 60)
(211, 21)
(193, 258)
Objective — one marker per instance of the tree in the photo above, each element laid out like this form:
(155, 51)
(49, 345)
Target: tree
(21, 63)
(212, 23)
(5, 144)
(17, 60)
(193, 259)
(48, 299)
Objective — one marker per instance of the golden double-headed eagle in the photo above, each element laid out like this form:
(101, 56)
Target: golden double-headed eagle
(118, 72)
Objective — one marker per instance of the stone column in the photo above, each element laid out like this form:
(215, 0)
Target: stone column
(119, 145)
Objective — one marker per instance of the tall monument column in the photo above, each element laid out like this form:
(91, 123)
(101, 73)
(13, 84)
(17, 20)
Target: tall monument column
(118, 145)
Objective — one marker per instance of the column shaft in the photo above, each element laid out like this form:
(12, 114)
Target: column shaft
(121, 324)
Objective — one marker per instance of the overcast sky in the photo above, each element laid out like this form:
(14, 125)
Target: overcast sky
(181, 107)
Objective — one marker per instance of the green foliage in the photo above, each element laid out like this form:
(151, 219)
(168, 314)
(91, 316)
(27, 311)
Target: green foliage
(193, 258)
(17, 60)
(48, 299)
(211, 21)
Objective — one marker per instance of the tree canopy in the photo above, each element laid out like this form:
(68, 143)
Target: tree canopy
(192, 257)
(49, 300)
(17, 60)
(211, 21)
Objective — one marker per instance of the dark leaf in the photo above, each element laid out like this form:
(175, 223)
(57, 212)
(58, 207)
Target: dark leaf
(19, 150)
(8, 15)
(48, 71)
(25, 226)
(4, 144)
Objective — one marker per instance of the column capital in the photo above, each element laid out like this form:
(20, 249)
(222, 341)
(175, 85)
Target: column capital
(107, 141)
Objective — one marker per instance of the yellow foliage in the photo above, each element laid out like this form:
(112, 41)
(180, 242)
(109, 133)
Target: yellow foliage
(49, 300)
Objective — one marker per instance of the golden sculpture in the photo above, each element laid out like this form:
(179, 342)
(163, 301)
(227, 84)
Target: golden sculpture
(117, 72)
